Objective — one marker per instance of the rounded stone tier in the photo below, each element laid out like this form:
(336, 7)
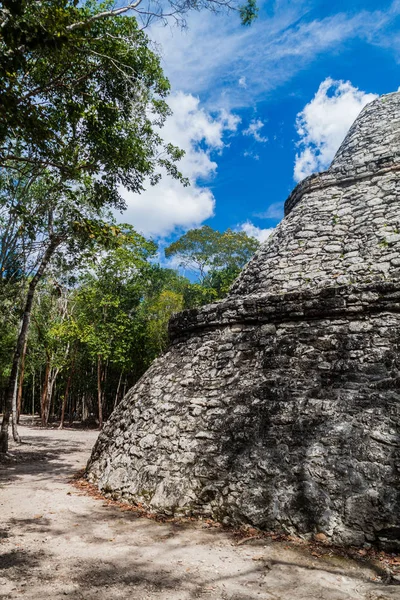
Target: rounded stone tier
(280, 406)
(373, 140)
(341, 226)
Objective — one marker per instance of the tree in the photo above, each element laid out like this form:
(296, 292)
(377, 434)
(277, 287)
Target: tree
(108, 304)
(83, 98)
(67, 221)
(158, 313)
(82, 120)
(215, 257)
(87, 100)
(220, 280)
(72, 71)
(49, 317)
(100, 321)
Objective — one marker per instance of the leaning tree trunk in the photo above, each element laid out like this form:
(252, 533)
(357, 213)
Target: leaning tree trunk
(21, 341)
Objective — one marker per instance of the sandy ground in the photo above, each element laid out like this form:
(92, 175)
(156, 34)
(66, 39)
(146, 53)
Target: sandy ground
(56, 541)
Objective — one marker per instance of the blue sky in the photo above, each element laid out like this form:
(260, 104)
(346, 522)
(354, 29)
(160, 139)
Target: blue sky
(258, 108)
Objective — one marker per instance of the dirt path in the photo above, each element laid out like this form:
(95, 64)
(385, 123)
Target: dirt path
(55, 542)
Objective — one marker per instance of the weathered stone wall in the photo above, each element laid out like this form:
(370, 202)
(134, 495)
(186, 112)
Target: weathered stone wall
(279, 406)
(279, 420)
(353, 237)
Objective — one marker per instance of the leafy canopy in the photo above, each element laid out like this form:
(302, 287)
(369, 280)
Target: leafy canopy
(209, 251)
(82, 101)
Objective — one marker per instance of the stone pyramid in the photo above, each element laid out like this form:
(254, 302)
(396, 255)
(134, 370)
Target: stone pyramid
(280, 405)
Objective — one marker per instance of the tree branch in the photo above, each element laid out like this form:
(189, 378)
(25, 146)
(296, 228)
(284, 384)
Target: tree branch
(33, 161)
(104, 15)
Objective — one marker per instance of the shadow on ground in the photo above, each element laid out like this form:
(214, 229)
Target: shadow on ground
(39, 456)
(59, 537)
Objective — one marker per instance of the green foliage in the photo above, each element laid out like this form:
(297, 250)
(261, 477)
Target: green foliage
(51, 337)
(82, 100)
(8, 330)
(198, 294)
(248, 12)
(221, 280)
(157, 314)
(108, 300)
(216, 257)
(111, 308)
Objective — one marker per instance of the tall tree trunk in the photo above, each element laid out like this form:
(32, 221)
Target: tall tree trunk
(103, 387)
(33, 395)
(21, 380)
(14, 415)
(66, 393)
(43, 402)
(21, 341)
(53, 398)
(99, 393)
(49, 401)
(50, 388)
(85, 404)
(72, 410)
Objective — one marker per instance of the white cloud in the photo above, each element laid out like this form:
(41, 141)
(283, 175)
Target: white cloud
(250, 154)
(324, 122)
(169, 206)
(256, 232)
(274, 211)
(214, 53)
(254, 129)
